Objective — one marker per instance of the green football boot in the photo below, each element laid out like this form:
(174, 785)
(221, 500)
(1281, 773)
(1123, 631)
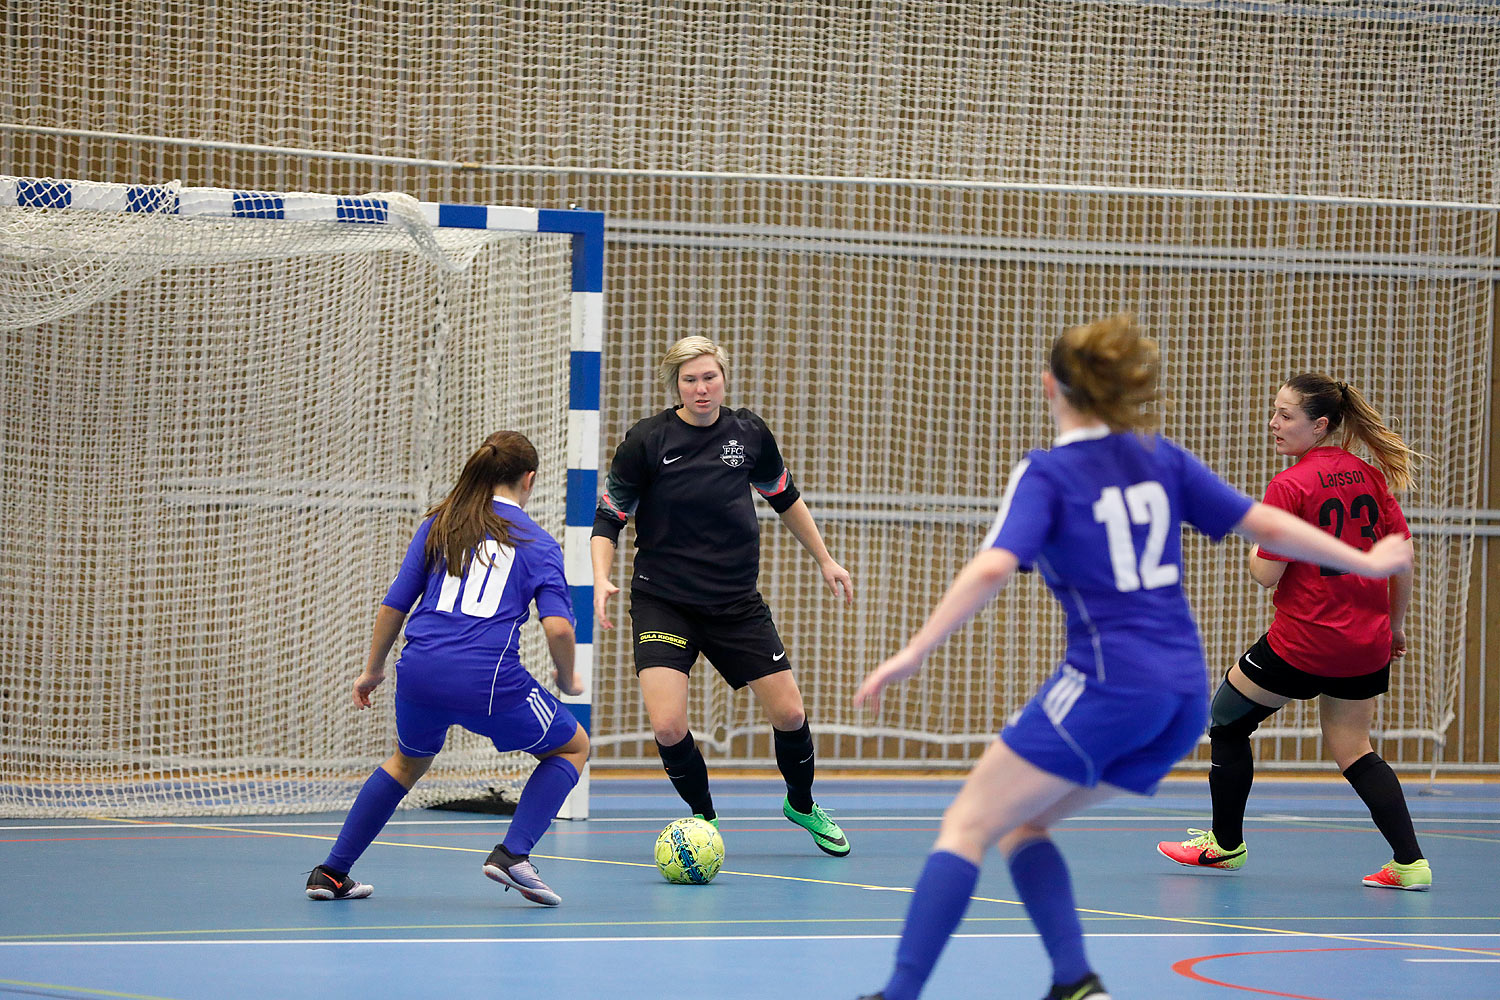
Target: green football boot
(825, 832)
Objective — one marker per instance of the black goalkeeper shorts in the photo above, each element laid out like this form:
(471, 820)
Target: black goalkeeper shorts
(738, 638)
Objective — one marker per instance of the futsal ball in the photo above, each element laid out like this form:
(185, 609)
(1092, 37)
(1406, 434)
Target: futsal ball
(690, 851)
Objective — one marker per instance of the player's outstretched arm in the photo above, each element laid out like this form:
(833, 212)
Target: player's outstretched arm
(387, 627)
(974, 587)
(561, 643)
(799, 522)
(602, 555)
(1289, 535)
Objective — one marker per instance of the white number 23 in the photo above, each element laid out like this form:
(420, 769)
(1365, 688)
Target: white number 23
(1143, 503)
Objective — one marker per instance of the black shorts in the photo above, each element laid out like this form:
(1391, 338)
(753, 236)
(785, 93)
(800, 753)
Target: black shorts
(1265, 667)
(739, 638)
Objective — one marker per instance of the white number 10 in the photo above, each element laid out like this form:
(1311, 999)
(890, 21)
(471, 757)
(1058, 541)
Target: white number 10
(1144, 503)
(483, 584)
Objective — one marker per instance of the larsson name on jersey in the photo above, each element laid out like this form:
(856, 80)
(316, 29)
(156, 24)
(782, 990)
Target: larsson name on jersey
(1343, 478)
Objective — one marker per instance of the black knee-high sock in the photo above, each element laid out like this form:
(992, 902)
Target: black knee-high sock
(794, 756)
(1229, 781)
(1378, 785)
(689, 775)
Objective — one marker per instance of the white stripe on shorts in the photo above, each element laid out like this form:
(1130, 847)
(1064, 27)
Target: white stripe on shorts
(544, 710)
(1061, 697)
(541, 708)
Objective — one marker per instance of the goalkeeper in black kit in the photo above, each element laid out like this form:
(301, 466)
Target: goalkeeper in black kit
(686, 474)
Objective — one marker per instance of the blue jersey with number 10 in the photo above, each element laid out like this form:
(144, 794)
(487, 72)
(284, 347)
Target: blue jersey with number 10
(463, 639)
(1100, 515)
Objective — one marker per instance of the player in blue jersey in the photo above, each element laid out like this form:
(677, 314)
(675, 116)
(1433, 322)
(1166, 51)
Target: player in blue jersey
(473, 570)
(1099, 515)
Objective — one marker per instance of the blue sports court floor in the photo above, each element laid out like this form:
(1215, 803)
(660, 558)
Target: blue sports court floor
(214, 908)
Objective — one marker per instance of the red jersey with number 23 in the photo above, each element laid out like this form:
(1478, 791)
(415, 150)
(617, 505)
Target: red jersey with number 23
(1329, 623)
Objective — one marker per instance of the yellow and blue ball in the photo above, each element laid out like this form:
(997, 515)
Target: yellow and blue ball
(689, 851)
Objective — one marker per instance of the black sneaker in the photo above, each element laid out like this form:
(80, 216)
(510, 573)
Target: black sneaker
(518, 872)
(325, 883)
(1087, 987)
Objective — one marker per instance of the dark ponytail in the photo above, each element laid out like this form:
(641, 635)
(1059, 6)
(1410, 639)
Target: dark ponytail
(466, 516)
(1346, 408)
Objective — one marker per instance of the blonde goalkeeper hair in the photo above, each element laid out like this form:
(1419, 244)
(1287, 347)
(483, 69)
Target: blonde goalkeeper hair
(1346, 408)
(686, 350)
(1109, 370)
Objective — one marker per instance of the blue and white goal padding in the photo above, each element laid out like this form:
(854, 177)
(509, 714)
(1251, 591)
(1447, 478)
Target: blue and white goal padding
(587, 231)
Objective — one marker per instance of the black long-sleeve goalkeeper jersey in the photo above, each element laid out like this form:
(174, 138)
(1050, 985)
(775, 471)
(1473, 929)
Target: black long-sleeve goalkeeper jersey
(689, 488)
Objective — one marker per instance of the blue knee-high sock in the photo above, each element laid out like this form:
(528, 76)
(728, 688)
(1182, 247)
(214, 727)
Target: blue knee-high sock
(372, 809)
(543, 795)
(941, 897)
(1042, 881)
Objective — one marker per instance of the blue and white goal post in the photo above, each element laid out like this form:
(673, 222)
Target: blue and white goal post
(586, 229)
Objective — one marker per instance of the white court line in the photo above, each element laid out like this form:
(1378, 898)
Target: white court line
(1480, 961)
(665, 939)
(490, 821)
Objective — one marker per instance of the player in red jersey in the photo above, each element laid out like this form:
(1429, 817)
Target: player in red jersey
(1333, 637)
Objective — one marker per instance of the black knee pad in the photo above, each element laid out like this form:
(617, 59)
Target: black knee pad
(1233, 716)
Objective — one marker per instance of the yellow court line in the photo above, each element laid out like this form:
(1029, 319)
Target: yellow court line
(1190, 921)
(528, 925)
(1288, 932)
(80, 989)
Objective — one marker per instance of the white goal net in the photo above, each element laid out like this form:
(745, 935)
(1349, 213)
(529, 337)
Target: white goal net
(884, 211)
(218, 435)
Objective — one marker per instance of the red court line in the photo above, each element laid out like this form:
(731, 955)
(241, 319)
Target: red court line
(158, 836)
(1186, 968)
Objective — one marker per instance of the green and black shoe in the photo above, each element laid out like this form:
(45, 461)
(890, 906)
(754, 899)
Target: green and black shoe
(825, 832)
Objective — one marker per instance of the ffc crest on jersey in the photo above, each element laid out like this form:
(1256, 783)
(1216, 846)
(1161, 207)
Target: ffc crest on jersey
(733, 454)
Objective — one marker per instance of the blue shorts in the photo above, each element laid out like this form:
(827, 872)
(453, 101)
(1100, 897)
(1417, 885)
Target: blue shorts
(1089, 733)
(537, 724)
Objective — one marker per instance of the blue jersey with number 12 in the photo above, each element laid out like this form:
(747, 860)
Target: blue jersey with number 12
(1100, 515)
(463, 639)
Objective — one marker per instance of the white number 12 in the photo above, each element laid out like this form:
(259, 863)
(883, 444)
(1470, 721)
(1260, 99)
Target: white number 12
(1144, 503)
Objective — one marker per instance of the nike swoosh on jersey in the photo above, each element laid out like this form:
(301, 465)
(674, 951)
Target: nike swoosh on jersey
(779, 656)
(669, 461)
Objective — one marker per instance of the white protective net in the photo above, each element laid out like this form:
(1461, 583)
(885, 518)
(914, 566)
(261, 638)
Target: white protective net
(885, 210)
(218, 437)
(902, 381)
